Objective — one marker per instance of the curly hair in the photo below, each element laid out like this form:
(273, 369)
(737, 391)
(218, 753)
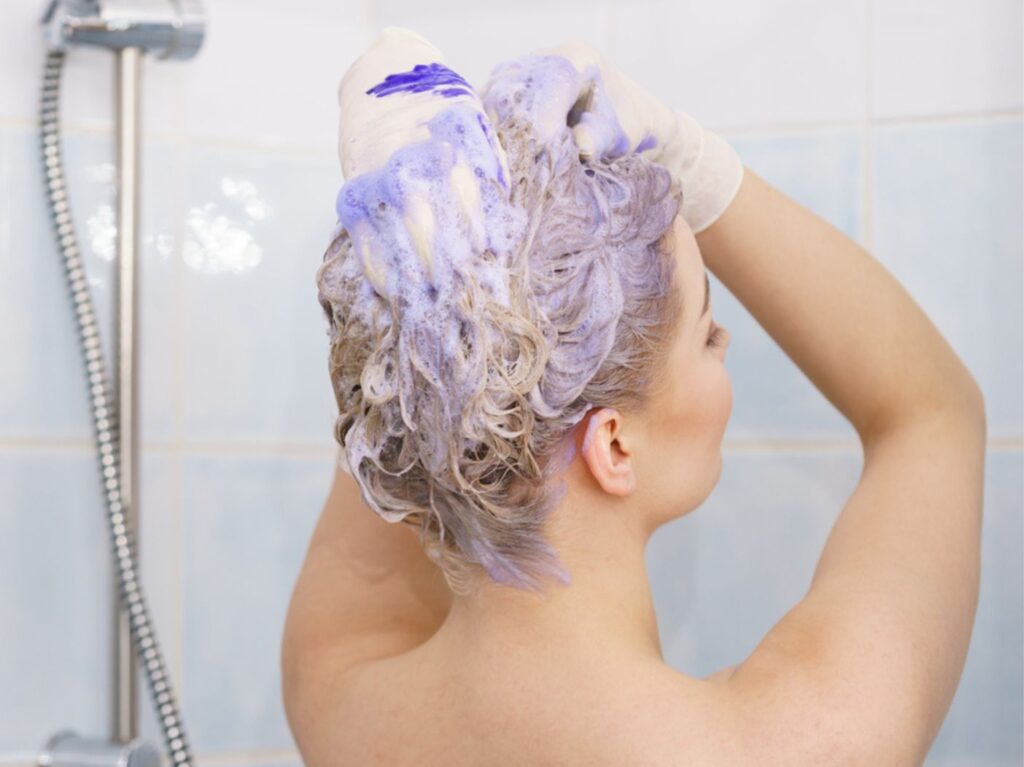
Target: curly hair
(467, 441)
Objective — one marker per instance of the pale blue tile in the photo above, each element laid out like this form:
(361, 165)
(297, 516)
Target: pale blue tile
(55, 542)
(157, 312)
(772, 396)
(821, 170)
(984, 724)
(948, 210)
(160, 559)
(256, 340)
(724, 574)
(286, 94)
(247, 522)
(87, 88)
(44, 391)
(56, 597)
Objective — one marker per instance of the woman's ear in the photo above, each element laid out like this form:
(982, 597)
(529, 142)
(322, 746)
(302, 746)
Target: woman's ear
(607, 456)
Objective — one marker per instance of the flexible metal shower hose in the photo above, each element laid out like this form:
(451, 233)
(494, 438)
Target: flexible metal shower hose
(105, 422)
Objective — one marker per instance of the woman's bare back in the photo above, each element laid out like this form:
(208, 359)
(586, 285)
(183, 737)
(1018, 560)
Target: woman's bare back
(424, 708)
(861, 670)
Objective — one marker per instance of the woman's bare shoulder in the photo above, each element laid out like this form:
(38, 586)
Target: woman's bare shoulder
(747, 714)
(402, 710)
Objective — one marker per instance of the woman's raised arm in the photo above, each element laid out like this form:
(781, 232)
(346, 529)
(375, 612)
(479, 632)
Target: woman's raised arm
(865, 666)
(836, 311)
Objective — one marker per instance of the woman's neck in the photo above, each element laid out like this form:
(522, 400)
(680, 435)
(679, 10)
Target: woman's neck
(607, 606)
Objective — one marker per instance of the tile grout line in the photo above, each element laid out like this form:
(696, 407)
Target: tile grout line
(993, 115)
(328, 450)
(750, 130)
(867, 192)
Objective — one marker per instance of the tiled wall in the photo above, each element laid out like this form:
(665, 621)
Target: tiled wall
(899, 121)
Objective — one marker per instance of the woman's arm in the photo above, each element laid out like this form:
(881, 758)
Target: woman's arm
(366, 590)
(836, 311)
(866, 664)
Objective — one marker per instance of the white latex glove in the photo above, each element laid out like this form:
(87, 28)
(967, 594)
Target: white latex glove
(371, 127)
(420, 160)
(615, 116)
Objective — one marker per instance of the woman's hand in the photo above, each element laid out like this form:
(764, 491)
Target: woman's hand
(614, 116)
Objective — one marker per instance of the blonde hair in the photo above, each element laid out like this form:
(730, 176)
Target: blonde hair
(592, 312)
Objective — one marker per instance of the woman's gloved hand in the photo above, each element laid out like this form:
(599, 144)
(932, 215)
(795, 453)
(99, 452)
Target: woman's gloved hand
(614, 116)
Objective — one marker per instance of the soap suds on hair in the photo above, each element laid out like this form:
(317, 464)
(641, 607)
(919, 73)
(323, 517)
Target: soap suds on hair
(476, 317)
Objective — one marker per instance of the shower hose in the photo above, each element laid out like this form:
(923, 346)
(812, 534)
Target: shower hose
(105, 423)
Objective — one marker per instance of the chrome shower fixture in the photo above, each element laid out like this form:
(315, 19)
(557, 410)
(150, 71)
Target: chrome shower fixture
(167, 29)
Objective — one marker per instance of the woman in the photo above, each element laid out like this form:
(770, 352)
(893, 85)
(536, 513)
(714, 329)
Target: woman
(440, 642)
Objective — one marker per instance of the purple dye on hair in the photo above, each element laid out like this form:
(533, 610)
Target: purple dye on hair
(553, 262)
(493, 142)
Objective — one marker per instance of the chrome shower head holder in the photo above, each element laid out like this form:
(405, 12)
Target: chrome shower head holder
(169, 29)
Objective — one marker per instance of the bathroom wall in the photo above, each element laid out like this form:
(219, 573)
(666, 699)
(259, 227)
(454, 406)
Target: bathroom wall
(899, 122)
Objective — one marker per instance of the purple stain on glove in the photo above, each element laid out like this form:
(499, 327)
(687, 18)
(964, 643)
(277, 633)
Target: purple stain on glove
(423, 77)
(648, 143)
(620, 147)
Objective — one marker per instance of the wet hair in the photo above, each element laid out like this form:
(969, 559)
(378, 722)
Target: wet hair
(592, 310)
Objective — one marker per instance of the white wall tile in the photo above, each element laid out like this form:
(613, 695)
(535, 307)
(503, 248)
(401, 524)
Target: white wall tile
(87, 90)
(743, 62)
(474, 37)
(270, 72)
(945, 57)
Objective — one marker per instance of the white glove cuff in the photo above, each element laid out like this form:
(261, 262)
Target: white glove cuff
(708, 170)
